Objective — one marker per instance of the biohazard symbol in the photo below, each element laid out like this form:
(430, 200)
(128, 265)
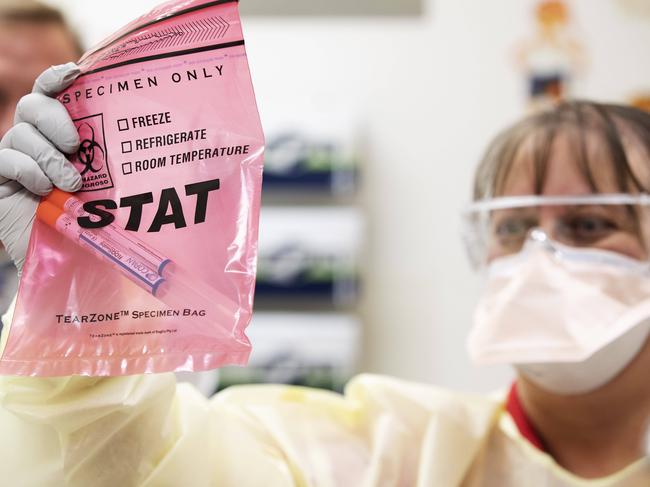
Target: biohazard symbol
(87, 153)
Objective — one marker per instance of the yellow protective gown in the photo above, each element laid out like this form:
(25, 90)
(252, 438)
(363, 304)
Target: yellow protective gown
(149, 431)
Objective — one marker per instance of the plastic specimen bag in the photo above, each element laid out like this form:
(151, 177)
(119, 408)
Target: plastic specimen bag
(151, 266)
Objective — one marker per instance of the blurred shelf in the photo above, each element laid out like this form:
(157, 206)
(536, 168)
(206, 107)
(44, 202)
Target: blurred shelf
(326, 182)
(309, 254)
(305, 328)
(304, 197)
(299, 164)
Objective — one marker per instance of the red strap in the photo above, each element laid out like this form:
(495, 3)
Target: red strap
(525, 427)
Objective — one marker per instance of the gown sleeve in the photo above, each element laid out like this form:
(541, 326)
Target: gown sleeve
(149, 431)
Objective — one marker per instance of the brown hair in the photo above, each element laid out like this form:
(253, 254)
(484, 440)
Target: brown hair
(35, 12)
(615, 126)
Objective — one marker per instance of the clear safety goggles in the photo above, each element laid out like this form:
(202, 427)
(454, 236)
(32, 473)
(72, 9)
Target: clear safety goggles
(500, 227)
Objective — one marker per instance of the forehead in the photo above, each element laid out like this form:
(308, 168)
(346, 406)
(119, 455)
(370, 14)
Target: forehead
(572, 162)
(27, 48)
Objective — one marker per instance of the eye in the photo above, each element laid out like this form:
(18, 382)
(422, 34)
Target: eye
(513, 227)
(587, 229)
(512, 231)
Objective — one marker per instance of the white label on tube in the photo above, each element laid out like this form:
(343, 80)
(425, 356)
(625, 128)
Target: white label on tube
(130, 265)
(156, 262)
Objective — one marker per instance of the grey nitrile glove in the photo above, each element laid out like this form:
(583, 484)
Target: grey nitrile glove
(32, 160)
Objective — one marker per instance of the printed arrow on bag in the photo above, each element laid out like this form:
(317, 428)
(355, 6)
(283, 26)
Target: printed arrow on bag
(198, 31)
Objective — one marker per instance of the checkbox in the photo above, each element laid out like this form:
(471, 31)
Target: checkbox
(127, 168)
(127, 147)
(123, 124)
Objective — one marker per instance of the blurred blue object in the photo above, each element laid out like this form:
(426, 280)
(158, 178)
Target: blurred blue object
(308, 255)
(294, 272)
(295, 162)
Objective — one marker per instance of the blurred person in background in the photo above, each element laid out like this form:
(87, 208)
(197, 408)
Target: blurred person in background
(561, 229)
(33, 37)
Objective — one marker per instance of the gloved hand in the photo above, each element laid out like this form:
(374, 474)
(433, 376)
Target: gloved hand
(32, 160)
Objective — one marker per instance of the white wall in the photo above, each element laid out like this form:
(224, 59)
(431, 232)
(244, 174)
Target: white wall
(427, 96)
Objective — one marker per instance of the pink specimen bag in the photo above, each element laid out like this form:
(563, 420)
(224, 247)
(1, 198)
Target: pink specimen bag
(151, 266)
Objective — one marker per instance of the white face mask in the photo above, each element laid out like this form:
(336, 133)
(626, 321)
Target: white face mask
(570, 319)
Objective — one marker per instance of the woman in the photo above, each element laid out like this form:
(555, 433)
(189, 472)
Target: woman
(557, 252)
